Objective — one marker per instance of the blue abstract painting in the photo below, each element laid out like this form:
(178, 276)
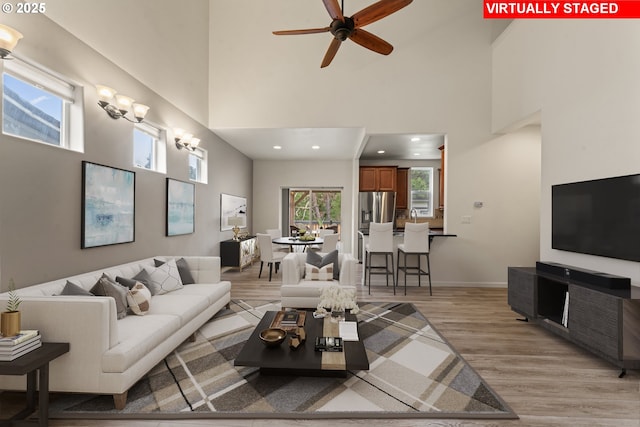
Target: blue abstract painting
(180, 207)
(108, 205)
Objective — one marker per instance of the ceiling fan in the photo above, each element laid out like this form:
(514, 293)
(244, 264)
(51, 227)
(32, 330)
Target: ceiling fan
(343, 27)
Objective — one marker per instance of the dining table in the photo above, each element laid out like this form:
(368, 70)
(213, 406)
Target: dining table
(294, 242)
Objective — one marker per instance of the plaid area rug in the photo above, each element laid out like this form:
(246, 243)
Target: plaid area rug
(413, 373)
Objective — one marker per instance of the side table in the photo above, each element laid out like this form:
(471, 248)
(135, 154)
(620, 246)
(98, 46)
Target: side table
(35, 361)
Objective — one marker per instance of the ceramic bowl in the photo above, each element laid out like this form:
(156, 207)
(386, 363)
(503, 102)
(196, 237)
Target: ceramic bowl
(273, 337)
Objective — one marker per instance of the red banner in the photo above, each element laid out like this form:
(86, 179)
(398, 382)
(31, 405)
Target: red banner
(561, 9)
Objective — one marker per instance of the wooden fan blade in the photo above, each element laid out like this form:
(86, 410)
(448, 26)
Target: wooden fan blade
(331, 52)
(334, 9)
(371, 41)
(308, 31)
(378, 11)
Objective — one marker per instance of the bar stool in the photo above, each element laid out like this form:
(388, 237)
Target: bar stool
(416, 242)
(380, 243)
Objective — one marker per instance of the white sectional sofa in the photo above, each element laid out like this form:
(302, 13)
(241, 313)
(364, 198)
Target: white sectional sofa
(107, 355)
(299, 292)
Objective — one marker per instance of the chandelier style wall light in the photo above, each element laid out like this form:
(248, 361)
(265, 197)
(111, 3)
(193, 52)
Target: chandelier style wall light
(185, 140)
(117, 105)
(8, 40)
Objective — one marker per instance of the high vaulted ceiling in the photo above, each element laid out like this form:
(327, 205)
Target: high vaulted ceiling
(218, 61)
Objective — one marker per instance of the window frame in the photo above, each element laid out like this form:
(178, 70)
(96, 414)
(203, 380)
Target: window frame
(55, 84)
(159, 149)
(420, 209)
(203, 155)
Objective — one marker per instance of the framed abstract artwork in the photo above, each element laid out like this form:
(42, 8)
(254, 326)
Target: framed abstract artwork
(108, 205)
(231, 206)
(181, 203)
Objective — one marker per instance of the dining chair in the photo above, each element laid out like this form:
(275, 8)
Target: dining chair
(416, 242)
(330, 242)
(380, 243)
(267, 254)
(276, 233)
(321, 234)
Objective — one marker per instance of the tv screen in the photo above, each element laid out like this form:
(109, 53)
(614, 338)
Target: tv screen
(599, 217)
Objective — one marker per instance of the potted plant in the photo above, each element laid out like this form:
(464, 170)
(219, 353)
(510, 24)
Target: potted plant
(10, 319)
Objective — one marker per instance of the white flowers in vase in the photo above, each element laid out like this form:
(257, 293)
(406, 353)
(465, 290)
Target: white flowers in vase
(337, 298)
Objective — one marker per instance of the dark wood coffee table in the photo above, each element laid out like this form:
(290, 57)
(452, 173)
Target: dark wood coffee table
(303, 361)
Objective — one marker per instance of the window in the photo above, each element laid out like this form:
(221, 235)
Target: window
(315, 208)
(41, 106)
(198, 165)
(422, 191)
(149, 147)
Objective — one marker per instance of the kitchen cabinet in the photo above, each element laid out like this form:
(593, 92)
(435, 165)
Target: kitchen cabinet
(378, 178)
(402, 185)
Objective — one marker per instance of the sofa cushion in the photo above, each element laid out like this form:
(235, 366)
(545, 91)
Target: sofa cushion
(138, 336)
(165, 278)
(185, 307)
(183, 270)
(106, 288)
(73, 289)
(320, 261)
(318, 273)
(139, 299)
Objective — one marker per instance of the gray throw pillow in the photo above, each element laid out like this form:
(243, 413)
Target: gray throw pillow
(73, 289)
(144, 278)
(106, 288)
(183, 270)
(332, 257)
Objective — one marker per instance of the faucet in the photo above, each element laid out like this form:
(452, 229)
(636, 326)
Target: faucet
(414, 214)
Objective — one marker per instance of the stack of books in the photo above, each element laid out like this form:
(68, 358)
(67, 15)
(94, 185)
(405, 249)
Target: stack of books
(290, 318)
(18, 345)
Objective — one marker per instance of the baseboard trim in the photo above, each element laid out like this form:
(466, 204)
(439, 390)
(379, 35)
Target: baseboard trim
(470, 284)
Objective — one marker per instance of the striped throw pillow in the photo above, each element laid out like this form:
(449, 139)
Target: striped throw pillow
(318, 273)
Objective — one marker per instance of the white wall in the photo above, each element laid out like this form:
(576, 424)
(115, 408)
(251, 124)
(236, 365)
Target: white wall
(583, 76)
(41, 185)
(163, 43)
(269, 177)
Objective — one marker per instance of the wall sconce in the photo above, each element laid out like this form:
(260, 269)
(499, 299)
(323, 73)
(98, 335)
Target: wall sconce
(237, 222)
(185, 140)
(8, 40)
(123, 103)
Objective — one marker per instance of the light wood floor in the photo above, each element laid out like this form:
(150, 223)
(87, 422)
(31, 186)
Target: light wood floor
(546, 380)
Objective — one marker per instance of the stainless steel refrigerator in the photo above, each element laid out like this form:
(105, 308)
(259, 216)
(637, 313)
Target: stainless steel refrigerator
(379, 206)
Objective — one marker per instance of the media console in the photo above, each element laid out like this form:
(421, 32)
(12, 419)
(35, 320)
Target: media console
(597, 311)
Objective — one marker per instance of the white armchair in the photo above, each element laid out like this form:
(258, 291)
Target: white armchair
(297, 292)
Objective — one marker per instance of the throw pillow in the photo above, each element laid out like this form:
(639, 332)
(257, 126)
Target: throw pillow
(166, 277)
(183, 269)
(106, 288)
(73, 289)
(139, 299)
(144, 278)
(332, 257)
(313, 272)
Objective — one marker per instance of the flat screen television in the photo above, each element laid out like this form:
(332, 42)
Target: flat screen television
(598, 217)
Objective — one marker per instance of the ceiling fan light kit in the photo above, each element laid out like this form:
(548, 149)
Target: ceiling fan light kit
(343, 28)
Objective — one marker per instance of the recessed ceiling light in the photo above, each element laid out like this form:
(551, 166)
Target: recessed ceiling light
(315, 147)
(415, 139)
(277, 147)
(416, 154)
(380, 151)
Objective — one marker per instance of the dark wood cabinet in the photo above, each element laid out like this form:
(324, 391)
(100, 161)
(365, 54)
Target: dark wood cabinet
(378, 178)
(368, 179)
(402, 185)
(239, 253)
(604, 321)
